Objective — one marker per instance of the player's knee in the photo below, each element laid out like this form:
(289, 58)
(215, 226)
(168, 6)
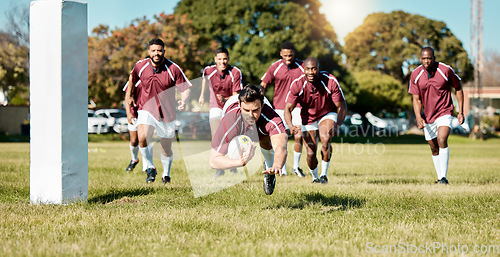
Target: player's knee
(311, 152)
(443, 142)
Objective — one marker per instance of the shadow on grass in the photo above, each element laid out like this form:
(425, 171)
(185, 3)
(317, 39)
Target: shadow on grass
(334, 203)
(114, 194)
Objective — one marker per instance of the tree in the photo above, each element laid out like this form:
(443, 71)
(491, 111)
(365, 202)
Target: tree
(113, 54)
(14, 56)
(490, 75)
(14, 70)
(18, 23)
(252, 31)
(380, 92)
(391, 43)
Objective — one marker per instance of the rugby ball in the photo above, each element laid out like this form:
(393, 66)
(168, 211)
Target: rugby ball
(238, 145)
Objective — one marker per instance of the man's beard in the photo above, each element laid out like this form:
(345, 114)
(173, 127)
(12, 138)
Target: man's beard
(157, 62)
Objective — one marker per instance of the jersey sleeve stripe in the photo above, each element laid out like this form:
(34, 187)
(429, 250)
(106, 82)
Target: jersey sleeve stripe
(300, 66)
(418, 76)
(326, 88)
(227, 132)
(442, 74)
(272, 122)
(232, 77)
(142, 69)
(241, 77)
(212, 74)
(448, 66)
(277, 69)
(185, 78)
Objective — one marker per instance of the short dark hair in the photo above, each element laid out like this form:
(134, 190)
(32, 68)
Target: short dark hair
(156, 41)
(427, 48)
(250, 93)
(287, 45)
(221, 50)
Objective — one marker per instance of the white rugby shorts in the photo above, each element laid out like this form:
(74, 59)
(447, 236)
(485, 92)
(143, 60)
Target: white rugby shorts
(315, 125)
(431, 130)
(215, 114)
(133, 126)
(163, 129)
(296, 118)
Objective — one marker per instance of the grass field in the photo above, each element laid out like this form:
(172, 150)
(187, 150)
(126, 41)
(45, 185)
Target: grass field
(379, 200)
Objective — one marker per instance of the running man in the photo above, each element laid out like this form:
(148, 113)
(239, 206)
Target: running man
(323, 111)
(155, 79)
(282, 73)
(430, 86)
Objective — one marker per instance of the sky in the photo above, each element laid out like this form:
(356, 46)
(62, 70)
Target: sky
(344, 15)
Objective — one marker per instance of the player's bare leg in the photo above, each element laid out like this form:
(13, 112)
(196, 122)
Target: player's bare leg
(297, 152)
(311, 145)
(325, 136)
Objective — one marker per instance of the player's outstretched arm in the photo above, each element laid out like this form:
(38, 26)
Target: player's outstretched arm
(220, 161)
(278, 142)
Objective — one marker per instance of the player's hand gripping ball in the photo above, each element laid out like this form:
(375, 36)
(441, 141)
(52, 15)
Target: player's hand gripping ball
(239, 146)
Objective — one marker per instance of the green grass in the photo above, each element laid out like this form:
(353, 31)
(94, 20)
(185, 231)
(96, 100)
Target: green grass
(383, 197)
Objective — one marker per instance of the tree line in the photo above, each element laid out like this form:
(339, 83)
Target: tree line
(373, 66)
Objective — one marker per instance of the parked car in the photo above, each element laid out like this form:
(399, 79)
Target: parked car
(97, 124)
(192, 123)
(392, 126)
(116, 119)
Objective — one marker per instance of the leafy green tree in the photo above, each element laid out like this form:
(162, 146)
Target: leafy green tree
(252, 31)
(113, 54)
(380, 92)
(14, 70)
(391, 43)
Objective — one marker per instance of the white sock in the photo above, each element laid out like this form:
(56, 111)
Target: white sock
(147, 157)
(283, 170)
(437, 166)
(167, 164)
(314, 173)
(150, 150)
(324, 167)
(444, 156)
(134, 152)
(296, 159)
(268, 157)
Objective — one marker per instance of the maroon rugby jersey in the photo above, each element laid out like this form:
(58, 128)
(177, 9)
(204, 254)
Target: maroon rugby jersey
(156, 88)
(225, 83)
(283, 76)
(232, 125)
(316, 100)
(434, 91)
